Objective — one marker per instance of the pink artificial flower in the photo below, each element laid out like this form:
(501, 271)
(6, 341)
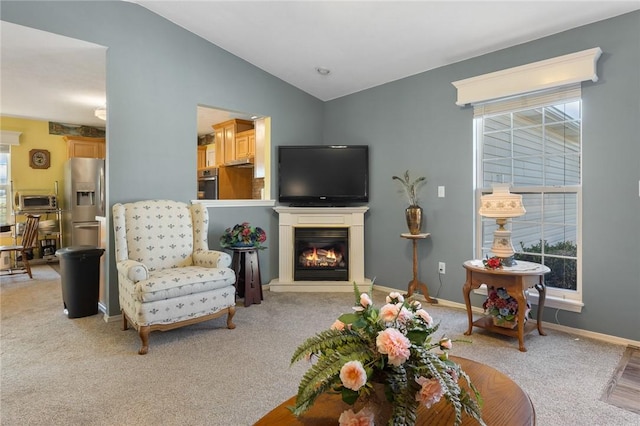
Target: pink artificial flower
(364, 417)
(365, 300)
(353, 376)
(416, 305)
(389, 312)
(337, 325)
(405, 315)
(425, 317)
(445, 343)
(431, 391)
(394, 295)
(394, 344)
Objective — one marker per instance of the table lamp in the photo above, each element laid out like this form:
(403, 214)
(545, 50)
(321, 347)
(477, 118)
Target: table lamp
(502, 205)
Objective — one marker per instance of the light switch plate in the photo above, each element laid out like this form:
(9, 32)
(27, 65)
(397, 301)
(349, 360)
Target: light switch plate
(441, 192)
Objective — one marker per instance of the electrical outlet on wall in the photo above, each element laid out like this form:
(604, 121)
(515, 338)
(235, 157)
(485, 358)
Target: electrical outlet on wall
(441, 267)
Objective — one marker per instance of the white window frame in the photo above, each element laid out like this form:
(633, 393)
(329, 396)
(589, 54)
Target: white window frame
(4, 150)
(565, 299)
(7, 139)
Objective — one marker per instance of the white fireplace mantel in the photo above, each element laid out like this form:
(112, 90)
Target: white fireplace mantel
(334, 217)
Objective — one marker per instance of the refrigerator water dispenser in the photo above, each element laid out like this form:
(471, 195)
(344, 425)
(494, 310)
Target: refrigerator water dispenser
(85, 198)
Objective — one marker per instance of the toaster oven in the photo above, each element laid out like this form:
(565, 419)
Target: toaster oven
(29, 202)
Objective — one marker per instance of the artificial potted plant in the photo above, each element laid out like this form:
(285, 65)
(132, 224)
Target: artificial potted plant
(413, 212)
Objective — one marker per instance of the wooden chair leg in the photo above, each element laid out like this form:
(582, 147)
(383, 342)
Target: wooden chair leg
(25, 262)
(144, 337)
(232, 312)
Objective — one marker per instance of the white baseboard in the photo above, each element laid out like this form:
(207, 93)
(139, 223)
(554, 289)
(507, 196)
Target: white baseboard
(102, 308)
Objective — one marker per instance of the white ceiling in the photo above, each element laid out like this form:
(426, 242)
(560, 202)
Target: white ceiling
(363, 43)
(368, 43)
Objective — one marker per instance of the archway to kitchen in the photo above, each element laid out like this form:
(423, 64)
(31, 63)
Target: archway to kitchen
(233, 155)
(51, 88)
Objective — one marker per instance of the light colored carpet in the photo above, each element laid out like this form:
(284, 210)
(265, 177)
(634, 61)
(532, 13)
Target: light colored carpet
(60, 371)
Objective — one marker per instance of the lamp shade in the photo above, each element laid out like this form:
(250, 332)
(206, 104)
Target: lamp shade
(501, 203)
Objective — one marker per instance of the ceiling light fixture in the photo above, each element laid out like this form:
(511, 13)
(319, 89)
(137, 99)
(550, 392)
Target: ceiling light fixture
(323, 71)
(101, 113)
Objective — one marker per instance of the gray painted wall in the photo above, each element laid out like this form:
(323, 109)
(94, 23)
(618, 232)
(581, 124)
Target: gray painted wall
(414, 124)
(157, 73)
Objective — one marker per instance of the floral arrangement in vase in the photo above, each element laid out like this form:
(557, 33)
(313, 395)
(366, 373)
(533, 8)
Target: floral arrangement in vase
(243, 235)
(411, 187)
(503, 308)
(493, 263)
(388, 348)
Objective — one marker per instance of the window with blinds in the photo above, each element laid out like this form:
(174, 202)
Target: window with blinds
(534, 143)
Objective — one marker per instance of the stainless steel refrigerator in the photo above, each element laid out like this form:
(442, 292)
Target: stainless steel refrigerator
(84, 200)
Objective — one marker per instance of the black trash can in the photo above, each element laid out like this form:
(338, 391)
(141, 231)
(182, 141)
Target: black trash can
(80, 278)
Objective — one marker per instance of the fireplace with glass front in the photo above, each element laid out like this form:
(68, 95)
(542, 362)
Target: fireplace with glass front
(341, 230)
(321, 254)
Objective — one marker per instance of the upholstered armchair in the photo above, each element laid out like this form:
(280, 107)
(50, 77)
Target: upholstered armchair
(167, 276)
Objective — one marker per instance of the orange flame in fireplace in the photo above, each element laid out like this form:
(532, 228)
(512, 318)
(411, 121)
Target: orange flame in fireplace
(326, 258)
(313, 257)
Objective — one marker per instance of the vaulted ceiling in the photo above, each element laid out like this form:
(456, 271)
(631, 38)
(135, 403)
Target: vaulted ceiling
(362, 43)
(367, 43)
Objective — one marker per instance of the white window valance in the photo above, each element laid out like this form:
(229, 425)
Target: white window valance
(537, 76)
(8, 137)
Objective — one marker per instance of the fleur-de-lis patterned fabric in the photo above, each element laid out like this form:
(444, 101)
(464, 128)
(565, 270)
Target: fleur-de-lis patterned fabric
(166, 272)
(159, 233)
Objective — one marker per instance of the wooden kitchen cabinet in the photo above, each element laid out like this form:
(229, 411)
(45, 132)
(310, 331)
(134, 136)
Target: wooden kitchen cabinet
(206, 156)
(229, 142)
(245, 144)
(219, 138)
(225, 137)
(210, 157)
(202, 156)
(78, 146)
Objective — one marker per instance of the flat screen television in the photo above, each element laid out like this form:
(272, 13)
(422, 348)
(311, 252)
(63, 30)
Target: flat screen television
(323, 175)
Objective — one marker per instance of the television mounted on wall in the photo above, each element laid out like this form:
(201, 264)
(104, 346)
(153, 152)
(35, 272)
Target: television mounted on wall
(323, 175)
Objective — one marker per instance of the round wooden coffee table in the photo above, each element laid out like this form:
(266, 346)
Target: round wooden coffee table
(505, 403)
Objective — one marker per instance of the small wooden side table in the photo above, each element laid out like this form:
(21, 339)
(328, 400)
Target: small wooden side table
(247, 268)
(416, 284)
(515, 280)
